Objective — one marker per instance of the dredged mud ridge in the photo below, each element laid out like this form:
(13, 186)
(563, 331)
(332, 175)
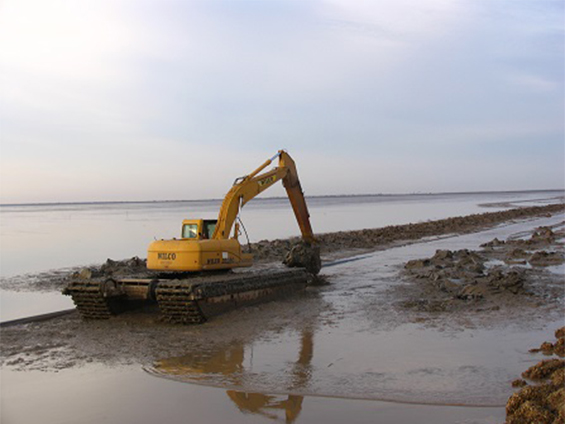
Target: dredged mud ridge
(542, 399)
(383, 237)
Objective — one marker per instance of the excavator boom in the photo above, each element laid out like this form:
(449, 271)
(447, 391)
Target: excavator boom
(248, 187)
(296, 196)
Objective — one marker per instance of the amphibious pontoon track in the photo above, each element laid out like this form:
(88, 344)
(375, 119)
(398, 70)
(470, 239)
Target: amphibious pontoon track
(187, 300)
(92, 298)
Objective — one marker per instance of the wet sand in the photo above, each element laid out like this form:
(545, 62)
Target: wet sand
(305, 358)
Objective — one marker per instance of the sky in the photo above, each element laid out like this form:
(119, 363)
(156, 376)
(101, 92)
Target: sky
(112, 100)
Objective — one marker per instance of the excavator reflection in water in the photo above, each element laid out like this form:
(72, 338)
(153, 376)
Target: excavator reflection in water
(226, 367)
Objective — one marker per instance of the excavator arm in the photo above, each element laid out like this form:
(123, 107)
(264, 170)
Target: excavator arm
(296, 196)
(248, 187)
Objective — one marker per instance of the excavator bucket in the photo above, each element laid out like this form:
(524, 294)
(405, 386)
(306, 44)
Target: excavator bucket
(304, 255)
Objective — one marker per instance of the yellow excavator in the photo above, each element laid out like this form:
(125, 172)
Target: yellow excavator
(209, 244)
(180, 275)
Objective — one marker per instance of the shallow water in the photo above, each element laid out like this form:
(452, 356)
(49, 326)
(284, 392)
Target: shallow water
(15, 305)
(127, 396)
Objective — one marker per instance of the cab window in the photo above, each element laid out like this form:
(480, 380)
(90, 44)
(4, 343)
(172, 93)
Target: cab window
(209, 228)
(190, 231)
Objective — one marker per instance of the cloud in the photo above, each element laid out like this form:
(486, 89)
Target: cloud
(60, 39)
(101, 98)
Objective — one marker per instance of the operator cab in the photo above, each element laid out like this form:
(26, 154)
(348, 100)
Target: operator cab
(198, 229)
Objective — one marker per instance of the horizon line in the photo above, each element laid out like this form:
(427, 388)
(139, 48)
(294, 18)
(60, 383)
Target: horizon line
(109, 202)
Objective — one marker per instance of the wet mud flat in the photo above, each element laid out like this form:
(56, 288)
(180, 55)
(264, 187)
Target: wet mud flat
(359, 337)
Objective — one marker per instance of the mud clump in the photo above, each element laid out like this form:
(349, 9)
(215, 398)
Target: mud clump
(543, 235)
(557, 348)
(516, 256)
(496, 275)
(531, 250)
(519, 383)
(543, 369)
(543, 402)
(304, 255)
(132, 266)
(462, 275)
(543, 258)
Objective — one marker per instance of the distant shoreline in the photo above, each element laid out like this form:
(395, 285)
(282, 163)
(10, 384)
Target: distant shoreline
(329, 196)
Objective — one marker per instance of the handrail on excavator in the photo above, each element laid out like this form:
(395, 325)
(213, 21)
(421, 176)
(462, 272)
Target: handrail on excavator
(267, 163)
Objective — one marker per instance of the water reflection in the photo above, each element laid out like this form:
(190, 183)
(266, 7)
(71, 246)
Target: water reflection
(227, 367)
(268, 405)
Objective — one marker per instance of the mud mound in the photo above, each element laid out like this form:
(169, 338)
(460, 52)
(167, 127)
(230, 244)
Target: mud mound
(462, 275)
(517, 256)
(531, 250)
(543, 258)
(543, 402)
(487, 275)
(543, 235)
(543, 369)
(133, 266)
(266, 250)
